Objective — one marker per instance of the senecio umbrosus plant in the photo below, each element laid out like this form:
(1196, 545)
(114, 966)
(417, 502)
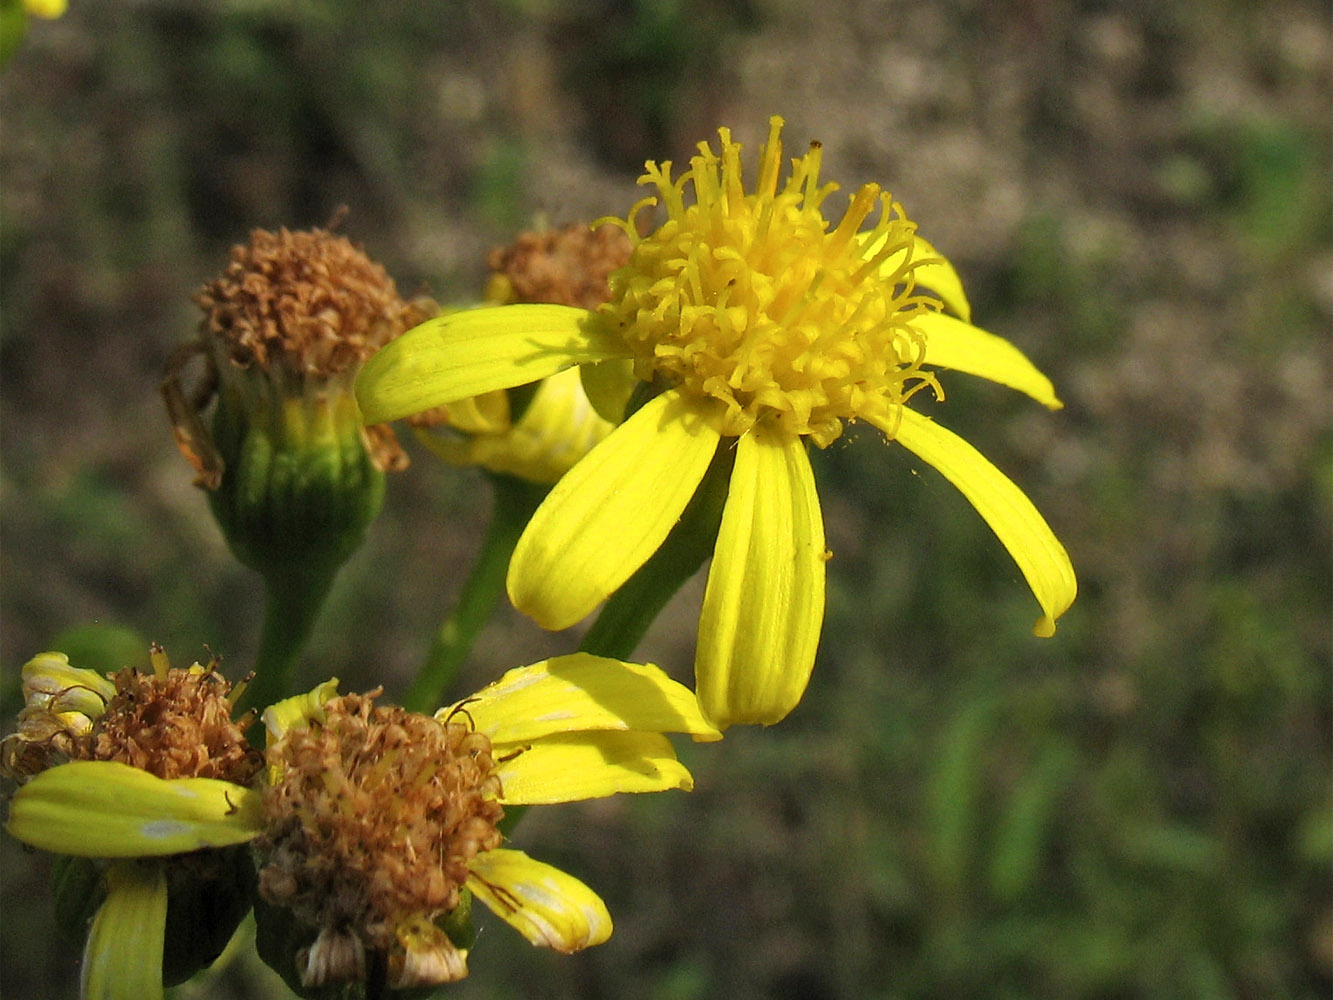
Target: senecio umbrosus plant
(642, 397)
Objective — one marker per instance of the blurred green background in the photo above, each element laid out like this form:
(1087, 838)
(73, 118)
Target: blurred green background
(1137, 194)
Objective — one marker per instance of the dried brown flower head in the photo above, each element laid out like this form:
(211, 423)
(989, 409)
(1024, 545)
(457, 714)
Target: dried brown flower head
(176, 725)
(373, 820)
(568, 266)
(309, 300)
(171, 723)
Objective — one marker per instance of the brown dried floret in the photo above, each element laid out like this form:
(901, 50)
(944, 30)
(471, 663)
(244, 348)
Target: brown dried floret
(373, 821)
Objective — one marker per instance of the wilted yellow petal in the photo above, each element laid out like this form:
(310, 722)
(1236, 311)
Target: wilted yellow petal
(951, 343)
(611, 511)
(1011, 515)
(50, 681)
(542, 903)
(122, 959)
(474, 351)
(576, 766)
(484, 414)
(103, 809)
(584, 692)
(299, 710)
(764, 604)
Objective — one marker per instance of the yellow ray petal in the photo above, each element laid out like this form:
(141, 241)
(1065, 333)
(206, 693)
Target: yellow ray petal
(934, 272)
(102, 809)
(584, 692)
(611, 511)
(951, 343)
(474, 351)
(764, 604)
(572, 767)
(1011, 515)
(609, 386)
(123, 955)
(542, 903)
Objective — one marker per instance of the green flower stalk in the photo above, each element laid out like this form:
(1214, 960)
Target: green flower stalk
(525, 438)
(294, 478)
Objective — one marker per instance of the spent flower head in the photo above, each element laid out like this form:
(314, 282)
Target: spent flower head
(374, 827)
(749, 325)
(92, 753)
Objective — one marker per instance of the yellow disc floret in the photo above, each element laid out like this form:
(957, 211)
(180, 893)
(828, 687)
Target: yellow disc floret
(750, 298)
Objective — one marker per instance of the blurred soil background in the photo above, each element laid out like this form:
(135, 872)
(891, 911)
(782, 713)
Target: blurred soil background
(1137, 194)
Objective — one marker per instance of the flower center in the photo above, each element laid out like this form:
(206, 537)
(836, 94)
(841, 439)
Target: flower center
(373, 821)
(174, 723)
(751, 300)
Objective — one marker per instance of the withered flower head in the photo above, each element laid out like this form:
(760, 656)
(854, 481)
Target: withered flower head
(172, 723)
(294, 475)
(374, 817)
(309, 302)
(568, 266)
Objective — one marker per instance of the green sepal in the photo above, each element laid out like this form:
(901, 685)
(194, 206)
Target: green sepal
(79, 889)
(208, 895)
(299, 486)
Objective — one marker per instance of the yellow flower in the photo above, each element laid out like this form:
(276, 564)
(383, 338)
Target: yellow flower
(371, 820)
(45, 8)
(754, 324)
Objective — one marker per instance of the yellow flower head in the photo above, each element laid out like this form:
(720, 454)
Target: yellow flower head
(750, 325)
(750, 299)
(371, 823)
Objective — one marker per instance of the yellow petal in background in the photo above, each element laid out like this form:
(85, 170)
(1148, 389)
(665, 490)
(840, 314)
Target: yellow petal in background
(951, 343)
(102, 809)
(475, 351)
(584, 692)
(764, 604)
(609, 386)
(577, 766)
(611, 512)
(1011, 515)
(542, 903)
(122, 959)
(556, 430)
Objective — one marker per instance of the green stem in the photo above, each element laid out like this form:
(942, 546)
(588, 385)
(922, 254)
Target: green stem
(632, 609)
(292, 603)
(514, 501)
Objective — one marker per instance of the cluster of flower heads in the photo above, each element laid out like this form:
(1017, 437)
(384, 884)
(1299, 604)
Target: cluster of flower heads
(368, 824)
(638, 369)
